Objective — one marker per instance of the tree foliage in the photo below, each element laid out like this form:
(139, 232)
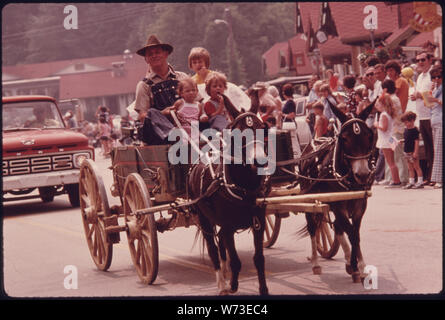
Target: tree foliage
(34, 32)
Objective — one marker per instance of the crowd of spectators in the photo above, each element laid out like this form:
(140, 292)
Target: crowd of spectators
(400, 88)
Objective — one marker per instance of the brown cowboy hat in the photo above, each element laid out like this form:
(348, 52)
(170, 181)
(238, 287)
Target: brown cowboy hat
(152, 42)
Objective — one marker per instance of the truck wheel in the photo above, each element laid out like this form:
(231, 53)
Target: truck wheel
(73, 194)
(47, 193)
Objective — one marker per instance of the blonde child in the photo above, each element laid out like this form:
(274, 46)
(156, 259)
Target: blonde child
(384, 125)
(187, 108)
(199, 62)
(411, 150)
(216, 85)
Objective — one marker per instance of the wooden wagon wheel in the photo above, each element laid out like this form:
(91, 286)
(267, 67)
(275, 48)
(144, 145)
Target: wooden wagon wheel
(141, 229)
(271, 230)
(94, 208)
(327, 243)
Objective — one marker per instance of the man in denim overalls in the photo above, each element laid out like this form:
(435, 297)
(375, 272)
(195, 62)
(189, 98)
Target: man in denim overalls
(156, 93)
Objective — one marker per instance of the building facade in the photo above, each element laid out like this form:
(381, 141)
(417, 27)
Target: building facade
(108, 81)
(362, 28)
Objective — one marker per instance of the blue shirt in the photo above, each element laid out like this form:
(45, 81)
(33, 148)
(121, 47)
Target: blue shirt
(436, 111)
(327, 109)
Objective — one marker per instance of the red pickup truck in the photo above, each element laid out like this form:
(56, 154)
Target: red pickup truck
(39, 152)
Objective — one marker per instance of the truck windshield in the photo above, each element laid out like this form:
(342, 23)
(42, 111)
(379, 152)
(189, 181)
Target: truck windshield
(30, 114)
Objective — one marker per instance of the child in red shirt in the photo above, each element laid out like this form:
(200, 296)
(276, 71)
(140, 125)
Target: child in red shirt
(216, 84)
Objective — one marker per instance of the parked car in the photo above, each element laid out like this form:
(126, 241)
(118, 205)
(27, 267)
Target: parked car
(39, 152)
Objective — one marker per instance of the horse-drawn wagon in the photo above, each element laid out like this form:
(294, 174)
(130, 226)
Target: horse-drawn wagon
(155, 197)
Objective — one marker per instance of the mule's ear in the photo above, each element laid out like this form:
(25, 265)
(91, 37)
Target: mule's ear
(233, 111)
(338, 113)
(365, 112)
(254, 100)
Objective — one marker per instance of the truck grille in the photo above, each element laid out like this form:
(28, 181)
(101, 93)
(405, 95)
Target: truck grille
(37, 164)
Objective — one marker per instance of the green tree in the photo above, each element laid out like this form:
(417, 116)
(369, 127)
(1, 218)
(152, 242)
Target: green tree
(34, 32)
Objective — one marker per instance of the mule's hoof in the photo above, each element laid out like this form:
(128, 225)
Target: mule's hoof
(356, 277)
(224, 292)
(264, 292)
(316, 270)
(348, 268)
(363, 277)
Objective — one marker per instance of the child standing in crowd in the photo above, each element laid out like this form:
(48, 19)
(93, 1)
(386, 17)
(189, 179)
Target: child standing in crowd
(436, 125)
(104, 112)
(411, 149)
(216, 84)
(321, 122)
(289, 107)
(361, 97)
(384, 136)
(105, 136)
(333, 80)
(199, 62)
(187, 108)
(328, 98)
(351, 99)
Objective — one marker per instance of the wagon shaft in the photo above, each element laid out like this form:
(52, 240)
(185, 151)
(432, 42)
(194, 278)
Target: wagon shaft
(322, 197)
(297, 207)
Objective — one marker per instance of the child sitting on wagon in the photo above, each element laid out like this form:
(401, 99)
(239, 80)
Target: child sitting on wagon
(199, 62)
(216, 85)
(187, 108)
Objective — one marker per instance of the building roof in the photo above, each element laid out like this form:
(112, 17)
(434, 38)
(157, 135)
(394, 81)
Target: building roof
(298, 47)
(87, 77)
(349, 21)
(273, 55)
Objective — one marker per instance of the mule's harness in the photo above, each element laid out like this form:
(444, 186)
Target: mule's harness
(342, 180)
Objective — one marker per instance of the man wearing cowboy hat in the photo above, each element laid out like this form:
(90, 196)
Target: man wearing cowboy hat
(156, 93)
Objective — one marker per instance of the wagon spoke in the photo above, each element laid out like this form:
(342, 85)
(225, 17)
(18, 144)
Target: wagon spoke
(323, 238)
(143, 258)
(100, 251)
(95, 241)
(90, 232)
(138, 251)
(85, 200)
(328, 234)
(267, 227)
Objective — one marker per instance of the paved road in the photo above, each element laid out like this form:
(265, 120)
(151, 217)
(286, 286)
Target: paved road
(401, 237)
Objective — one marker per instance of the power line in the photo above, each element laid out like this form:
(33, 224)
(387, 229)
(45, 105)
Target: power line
(45, 31)
(87, 24)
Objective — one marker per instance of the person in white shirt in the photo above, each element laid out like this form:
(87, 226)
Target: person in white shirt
(398, 128)
(423, 87)
(374, 87)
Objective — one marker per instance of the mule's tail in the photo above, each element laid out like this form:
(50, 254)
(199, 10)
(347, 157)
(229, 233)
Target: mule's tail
(199, 239)
(313, 223)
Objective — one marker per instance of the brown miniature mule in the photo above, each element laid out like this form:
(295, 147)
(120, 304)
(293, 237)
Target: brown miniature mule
(230, 197)
(342, 163)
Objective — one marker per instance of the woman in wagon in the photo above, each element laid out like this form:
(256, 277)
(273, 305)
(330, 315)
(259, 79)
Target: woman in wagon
(157, 92)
